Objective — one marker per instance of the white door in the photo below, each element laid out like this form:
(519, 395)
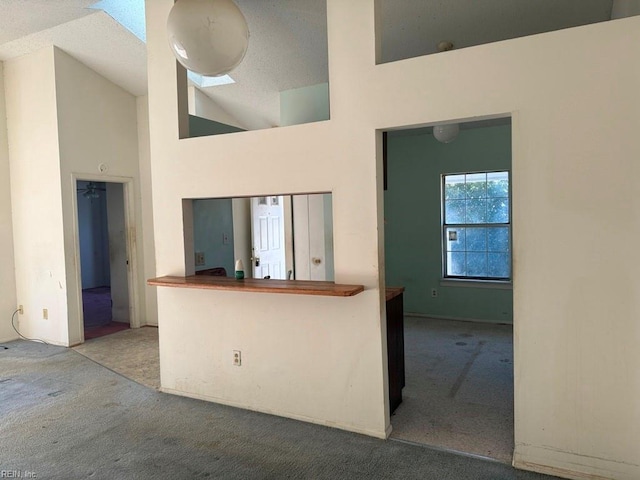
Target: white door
(118, 254)
(313, 237)
(267, 219)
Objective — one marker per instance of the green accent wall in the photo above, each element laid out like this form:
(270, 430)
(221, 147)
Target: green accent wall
(304, 105)
(412, 205)
(212, 220)
(202, 127)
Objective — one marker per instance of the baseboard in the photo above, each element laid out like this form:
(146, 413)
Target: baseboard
(388, 431)
(9, 339)
(574, 466)
(450, 450)
(36, 340)
(457, 319)
(350, 428)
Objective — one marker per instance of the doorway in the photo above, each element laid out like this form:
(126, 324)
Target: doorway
(292, 237)
(270, 229)
(456, 271)
(104, 260)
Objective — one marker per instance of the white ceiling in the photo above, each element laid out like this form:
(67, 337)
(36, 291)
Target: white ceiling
(95, 39)
(287, 49)
(19, 18)
(288, 43)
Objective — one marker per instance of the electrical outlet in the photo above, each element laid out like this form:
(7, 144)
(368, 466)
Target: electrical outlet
(434, 292)
(199, 259)
(237, 358)
(20, 309)
(225, 239)
(45, 313)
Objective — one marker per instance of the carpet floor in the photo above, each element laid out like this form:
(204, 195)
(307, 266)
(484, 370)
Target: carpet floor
(102, 330)
(459, 392)
(63, 416)
(459, 387)
(96, 306)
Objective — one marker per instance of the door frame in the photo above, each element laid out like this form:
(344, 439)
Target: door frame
(76, 322)
(381, 172)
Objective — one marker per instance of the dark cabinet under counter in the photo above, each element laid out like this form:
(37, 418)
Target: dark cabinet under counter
(395, 345)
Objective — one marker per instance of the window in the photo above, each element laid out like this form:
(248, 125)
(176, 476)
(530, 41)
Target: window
(476, 226)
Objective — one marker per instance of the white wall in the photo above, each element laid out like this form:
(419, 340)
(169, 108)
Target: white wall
(203, 106)
(8, 302)
(97, 123)
(64, 120)
(145, 234)
(330, 388)
(314, 330)
(575, 115)
(36, 195)
(573, 124)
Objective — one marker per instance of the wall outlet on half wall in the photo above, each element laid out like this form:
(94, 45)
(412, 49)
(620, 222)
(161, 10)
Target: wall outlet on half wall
(434, 292)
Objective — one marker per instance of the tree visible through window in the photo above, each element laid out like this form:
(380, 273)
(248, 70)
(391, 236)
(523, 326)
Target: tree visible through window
(477, 226)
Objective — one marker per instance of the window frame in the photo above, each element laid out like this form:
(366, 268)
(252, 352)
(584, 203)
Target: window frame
(443, 229)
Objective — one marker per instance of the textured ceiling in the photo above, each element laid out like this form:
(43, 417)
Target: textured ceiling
(24, 17)
(287, 49)
(96, 40)
(288, 44)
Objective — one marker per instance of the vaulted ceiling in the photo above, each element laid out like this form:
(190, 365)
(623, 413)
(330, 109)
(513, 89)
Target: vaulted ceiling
(288, 44)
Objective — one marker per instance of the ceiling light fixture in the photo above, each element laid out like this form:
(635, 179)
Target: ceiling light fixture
(446, 133)
(91, 190)
(444, 46)
(209, 37)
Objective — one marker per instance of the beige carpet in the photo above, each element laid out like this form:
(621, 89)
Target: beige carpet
(459, 387)
(132, 353)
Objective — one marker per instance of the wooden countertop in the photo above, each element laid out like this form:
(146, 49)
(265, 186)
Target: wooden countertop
(393, 292)
(296, 287)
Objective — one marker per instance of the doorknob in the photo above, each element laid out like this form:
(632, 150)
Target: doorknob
(256, 261)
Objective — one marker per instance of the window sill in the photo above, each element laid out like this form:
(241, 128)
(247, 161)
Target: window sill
(469, 283)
